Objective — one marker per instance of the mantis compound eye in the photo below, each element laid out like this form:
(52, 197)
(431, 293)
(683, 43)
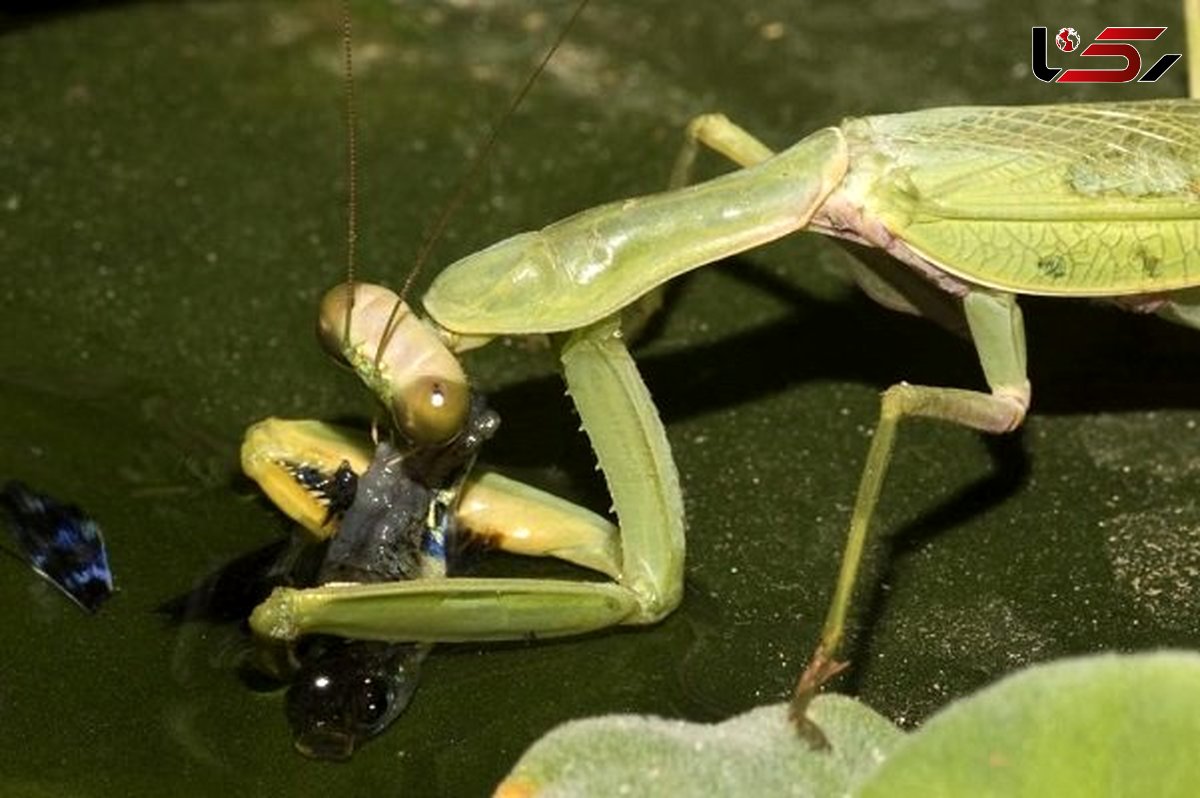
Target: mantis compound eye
(431, 409)
(400, 357)
(333, 332)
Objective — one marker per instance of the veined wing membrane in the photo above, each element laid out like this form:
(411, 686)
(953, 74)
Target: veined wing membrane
(1085, 200)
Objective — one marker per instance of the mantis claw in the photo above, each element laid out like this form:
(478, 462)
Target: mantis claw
(821, 668)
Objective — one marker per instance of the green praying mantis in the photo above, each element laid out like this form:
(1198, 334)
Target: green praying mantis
(980, 204)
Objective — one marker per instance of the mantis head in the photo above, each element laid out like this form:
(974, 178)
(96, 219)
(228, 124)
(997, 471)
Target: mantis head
(400, 357)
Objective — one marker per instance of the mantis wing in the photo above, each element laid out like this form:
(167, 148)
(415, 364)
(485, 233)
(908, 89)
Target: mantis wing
(1082, 200)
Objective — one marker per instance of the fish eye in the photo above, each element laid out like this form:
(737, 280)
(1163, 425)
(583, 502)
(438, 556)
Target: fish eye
(431, 410)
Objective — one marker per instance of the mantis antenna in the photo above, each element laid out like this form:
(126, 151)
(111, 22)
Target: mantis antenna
(351, 164)
(468, 177)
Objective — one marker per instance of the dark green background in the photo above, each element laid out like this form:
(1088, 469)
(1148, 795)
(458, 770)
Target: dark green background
(171, 207)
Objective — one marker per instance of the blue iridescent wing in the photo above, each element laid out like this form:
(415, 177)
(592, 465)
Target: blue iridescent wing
(61, 543)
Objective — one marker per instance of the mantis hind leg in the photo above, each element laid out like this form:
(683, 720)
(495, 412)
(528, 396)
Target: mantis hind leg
(722, 136)
(1183, 307)
(998, 332)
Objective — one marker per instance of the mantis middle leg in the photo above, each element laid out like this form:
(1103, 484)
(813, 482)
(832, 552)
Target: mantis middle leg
(716, 132)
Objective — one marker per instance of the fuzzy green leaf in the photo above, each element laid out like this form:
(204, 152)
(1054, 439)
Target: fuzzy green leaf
(757, 753)
(1100, 726)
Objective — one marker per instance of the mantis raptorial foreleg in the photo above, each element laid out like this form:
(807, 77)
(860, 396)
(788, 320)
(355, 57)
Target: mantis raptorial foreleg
(632, 449)
(500, 512)
(521, 519)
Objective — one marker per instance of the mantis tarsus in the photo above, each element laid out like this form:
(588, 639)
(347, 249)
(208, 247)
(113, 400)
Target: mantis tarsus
(984, 203)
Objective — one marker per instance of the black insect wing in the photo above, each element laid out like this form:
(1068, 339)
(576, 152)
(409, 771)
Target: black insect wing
(61, 543)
